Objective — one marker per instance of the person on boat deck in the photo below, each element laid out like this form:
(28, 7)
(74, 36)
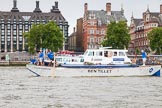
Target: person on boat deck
(33, 61)
(115, 53)
(134, 60)
(50, 55)
(41, 57)
(144, 56)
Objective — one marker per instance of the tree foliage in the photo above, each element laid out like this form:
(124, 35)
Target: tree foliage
(44, 36)
(117, 35)
(155, 37)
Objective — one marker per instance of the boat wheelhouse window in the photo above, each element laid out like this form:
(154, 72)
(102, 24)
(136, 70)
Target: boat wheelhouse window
(91, 53)
(98, 53)
(82, 60)
(106, 53)
(115, 53)
(121, 54)
(59, 59)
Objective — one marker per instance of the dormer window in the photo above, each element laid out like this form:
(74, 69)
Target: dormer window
(99, 23)
(92, 16)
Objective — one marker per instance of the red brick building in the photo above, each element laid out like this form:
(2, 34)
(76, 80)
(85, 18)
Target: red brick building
(95, 24)
(139, 28)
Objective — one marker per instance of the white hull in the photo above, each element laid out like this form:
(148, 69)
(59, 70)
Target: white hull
(92, 72)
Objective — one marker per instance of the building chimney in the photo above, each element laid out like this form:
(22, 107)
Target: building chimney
(14, 9)
(37, 9)
(161, 9)
(85, 7)
(55, 8)
(37, 4)
(108, 8)
(14, 4)
(56, 5)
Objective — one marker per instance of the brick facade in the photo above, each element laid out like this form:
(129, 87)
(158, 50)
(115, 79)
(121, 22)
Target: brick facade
(139, 28)
(95, 25)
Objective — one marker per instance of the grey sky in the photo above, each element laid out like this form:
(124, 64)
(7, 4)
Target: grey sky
(74, 9)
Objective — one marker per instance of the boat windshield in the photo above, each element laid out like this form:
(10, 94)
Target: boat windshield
(86, 53)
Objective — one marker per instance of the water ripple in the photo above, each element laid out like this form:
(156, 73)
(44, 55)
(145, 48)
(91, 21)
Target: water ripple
(19, 88)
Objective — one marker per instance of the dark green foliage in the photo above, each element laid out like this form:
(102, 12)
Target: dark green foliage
(155, 37)
(44, 36)
(117, 35)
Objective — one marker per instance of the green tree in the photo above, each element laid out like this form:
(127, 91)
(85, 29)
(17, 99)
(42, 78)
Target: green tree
(53, 37)
(117, 35)
(44, 36)
(155, 37)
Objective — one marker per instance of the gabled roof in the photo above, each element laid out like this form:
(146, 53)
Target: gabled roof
(104, 17)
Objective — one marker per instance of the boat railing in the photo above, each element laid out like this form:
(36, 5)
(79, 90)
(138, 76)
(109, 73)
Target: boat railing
(151, 59)
(105, 47)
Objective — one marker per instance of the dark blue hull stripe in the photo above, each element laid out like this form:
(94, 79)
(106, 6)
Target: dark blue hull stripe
(97, 66)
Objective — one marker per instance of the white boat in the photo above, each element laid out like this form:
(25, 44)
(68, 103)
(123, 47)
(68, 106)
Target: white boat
(94, 70)
(96, 62)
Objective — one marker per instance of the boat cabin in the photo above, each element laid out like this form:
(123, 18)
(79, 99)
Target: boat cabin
(106, 56)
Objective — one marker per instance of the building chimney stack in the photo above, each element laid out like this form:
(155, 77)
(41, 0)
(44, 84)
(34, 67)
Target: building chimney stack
(161, 9)
(85, 7)
(108, 8)
(56, 5)
(37, 9)
(14, 9)
(14, 4)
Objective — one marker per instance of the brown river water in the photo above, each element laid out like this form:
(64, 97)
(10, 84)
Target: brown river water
(21, 89)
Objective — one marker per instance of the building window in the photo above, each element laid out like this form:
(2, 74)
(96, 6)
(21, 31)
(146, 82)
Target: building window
(61, 27)
(8, 26)
(2, 26)
(2, 32)
(2, 39)
(97, 31)
(91, 40)
(91, 31)
(38, 22)
(14, 38)
(8, 32)
(26, 27)
(20, 38)
(103, 32)
(20, 32)
(14, 26)
(92, 23)
(99, 23)
(20, 26)
(8, 38)
(14, 32)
